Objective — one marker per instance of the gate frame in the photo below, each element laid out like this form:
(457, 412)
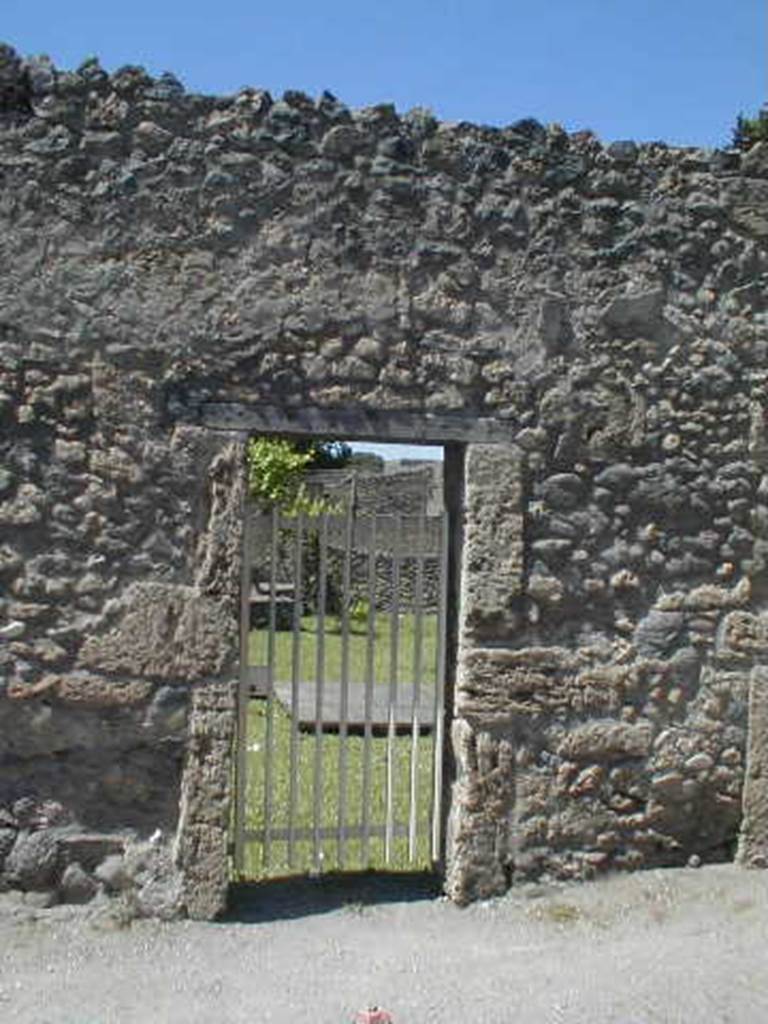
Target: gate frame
(271, 523)
(456, 434)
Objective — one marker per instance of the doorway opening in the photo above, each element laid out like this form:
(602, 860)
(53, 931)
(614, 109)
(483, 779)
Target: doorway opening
(345, 671)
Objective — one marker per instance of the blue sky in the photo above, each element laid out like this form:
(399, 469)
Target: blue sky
(678, 70)
(400, 451)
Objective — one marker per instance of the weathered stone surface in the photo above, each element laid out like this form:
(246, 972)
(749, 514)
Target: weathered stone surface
(607, 741)
(657, 634)
(95, 691)
(492, 560)
(563, 491)
(500, 684)
(33, 863)
(640, 310)
(113, 873)
(156, 886)
(753, 838)
(203, 856)
(24, 509)
(746, 633)
(89, 849)
(76, 885)
(167, 714)
(168, 632)
(707, 597)
(202, 835)
(12, 630)
(545, 589)
(483, 794)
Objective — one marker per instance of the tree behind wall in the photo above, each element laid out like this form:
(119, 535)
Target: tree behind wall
(750, 130)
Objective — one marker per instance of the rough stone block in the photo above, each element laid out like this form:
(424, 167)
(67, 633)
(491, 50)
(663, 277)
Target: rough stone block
(34, 860)
(745, 633)
(606, 741)
(95, 691)
(89, 849)
(501, 684)
(753, 839)
(203, 858)
(707, 597)
(76, 885)
(164, 631)
(492, 560)
(638, 311)
(482, 799)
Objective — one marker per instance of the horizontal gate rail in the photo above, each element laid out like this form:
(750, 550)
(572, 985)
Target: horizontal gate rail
(398, 829)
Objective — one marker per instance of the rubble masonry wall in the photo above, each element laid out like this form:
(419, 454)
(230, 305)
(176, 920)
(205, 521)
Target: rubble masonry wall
(163, 251)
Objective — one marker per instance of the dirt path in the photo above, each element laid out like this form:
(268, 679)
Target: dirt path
(670, 947)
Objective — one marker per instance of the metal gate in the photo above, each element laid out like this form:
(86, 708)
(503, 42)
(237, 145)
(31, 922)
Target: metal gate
(341, 695)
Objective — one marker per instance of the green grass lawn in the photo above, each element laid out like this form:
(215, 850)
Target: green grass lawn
(408, 627)
(340, 760)
(328, 855)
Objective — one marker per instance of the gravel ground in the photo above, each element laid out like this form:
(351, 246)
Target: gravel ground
(671, 946)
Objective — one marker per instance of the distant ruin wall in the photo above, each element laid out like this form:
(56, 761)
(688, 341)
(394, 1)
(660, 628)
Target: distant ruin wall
(607, 303)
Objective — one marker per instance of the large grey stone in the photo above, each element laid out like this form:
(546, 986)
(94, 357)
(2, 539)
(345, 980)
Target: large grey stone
(638, 310)
(563, 491)
(33, 862)
(657, 634)
(76, 885)
(113, 873)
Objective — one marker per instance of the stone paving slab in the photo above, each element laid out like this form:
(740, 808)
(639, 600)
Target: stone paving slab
(332, 697)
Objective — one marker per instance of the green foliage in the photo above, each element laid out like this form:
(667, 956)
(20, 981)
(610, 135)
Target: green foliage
(277, 469)
(750, 130)
(276, 473)
(359, 613)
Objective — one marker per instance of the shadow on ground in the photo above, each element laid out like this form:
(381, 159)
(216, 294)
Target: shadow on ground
(285, 898)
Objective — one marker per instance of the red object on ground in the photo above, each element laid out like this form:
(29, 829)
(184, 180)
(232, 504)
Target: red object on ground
(373, 1015)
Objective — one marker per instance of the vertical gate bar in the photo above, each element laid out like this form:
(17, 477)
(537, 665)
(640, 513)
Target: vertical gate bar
(319, 687)
(241, 774)
(295, 680)
(344, 702)
(370, 669)
(394, 651)
(269, 753)
(439, 726)
(418, 637)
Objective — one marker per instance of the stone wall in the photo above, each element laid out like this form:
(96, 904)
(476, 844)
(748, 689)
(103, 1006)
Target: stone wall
(398, 498)
(162, 252)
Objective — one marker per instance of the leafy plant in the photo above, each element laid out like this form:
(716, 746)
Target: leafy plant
(750, 130)
(277, 471)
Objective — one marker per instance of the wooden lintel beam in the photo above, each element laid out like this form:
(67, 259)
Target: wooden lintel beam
(356, 424)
